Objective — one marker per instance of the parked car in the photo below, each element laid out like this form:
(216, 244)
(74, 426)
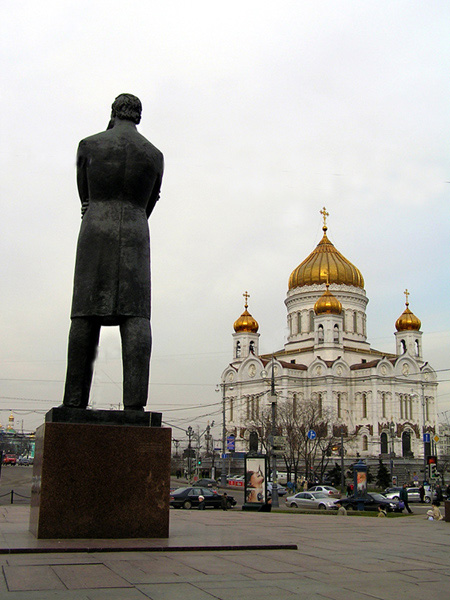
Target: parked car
(281, 490)
(371, 502)
(393, 493)
(327, 489)
(24, 460)
(210, 483)
(10, 459)
(187, 497)
(311, 500)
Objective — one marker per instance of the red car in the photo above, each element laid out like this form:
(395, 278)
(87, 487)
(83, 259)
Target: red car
(10, 459)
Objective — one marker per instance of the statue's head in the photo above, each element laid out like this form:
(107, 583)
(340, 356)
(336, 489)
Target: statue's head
(127, 107)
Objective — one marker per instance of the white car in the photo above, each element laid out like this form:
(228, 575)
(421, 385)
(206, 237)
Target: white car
(281, 490)
(318, 500)
(326, 489)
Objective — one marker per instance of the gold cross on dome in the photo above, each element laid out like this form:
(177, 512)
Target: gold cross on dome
(324, 214)
(407, 296)
(246, 296)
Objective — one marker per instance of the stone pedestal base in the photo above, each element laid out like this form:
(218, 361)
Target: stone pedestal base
(100, 481)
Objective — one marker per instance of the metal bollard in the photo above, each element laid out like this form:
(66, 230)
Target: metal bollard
(12, 496)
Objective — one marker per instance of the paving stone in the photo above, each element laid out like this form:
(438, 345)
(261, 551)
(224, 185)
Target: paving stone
(89, 576)
(177, 591)
(32, 578)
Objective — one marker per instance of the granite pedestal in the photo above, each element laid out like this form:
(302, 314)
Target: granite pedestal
(94, 480)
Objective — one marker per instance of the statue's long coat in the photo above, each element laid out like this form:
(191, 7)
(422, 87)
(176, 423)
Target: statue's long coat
(119, 175)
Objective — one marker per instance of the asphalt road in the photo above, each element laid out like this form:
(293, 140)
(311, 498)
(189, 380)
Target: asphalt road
(18, 479)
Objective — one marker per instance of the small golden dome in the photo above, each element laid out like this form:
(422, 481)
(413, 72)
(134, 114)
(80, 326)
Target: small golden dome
(11, 418)
(246, 322)
(327, 304)
(325, 264)
(407, 321)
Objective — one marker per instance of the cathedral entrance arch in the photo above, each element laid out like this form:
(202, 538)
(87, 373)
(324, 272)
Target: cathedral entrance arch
(406, 443)
(384, 443)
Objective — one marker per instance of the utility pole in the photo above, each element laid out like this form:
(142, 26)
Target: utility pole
(342, 463)
(189, 433)
(273, 400)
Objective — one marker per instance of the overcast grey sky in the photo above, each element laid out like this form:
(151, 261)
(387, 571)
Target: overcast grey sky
(265, 112)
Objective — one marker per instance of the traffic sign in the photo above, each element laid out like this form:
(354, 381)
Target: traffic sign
(426, 438)
(436, 438)
(231, 442)
(311, 434)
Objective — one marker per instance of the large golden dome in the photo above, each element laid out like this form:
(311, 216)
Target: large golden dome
(407, 321)
(327, 304)
(246, 323)
(325, 264)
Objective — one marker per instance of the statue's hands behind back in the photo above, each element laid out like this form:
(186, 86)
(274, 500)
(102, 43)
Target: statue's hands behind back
(84, 207)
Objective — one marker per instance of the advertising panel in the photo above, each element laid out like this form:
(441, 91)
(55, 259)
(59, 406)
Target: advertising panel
(255, 480)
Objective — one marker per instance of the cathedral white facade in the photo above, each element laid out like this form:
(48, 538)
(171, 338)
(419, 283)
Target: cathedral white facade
(378, 398)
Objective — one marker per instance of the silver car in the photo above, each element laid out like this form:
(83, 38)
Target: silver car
(311, 500)
(413, 494)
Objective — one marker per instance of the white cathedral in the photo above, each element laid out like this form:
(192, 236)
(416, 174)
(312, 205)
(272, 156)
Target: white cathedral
(382, 401)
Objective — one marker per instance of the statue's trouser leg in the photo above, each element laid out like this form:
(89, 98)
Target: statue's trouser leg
(83, 342)
(136, 347)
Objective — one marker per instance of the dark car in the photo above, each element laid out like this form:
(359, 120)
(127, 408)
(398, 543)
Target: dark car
(187, 497)
(210, 483)
(371, 502)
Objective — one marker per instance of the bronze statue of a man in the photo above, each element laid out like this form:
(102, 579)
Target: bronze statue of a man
(119, 174)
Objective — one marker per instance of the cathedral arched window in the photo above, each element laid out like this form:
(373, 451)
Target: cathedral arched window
(365, 443)
(339, 405)
(231, 409)
(252, 347)
(355, 322)
(294, 406)
(320, 334)
(384, 443)
(383, 404)
(319, 405)
(364, 406)
(403, 345)
(336, 334)
(238, 349)
(299, 322)
(417, 349)
(311, 320)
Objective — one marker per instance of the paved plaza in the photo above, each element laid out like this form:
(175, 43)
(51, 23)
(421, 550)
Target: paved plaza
(336, 558)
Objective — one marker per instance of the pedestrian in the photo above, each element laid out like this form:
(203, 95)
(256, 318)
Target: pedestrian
(404, 498)
(447, 491)
(381, 511)
(435, 514)
(224, 501)
(201, 503)
(439, 494)
(422, 493)
(341, 510)
(349, 490)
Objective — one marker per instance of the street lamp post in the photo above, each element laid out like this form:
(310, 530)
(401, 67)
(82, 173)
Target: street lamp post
(223, 475)
(391, 454)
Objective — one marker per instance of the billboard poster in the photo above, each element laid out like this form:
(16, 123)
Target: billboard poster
(255, 480)
(361, 483)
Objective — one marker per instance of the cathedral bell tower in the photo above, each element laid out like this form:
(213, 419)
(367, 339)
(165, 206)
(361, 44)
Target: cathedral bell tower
(246, 336)
(328, 326)
(408, 337)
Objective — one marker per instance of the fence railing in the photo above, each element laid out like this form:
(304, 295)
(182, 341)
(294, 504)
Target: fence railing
(12, 495)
